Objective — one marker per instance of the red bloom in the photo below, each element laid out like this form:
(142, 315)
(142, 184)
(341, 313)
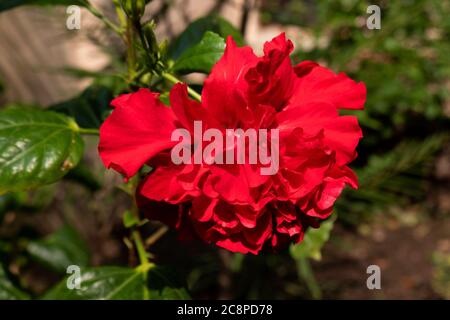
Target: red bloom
(234, 206)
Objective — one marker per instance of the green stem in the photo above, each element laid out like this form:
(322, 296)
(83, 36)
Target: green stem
(143, 258)
(131, 63)
(105, 20)
(174, 80)
(305, 272)
(154, 237)
(131, 53)
(135, 234)
(94, 132)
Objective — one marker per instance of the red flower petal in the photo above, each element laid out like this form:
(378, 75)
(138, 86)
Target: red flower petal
(317, 83)
(341, 133)
(320, 203)
(138, 128)
(187, 111)
(223, 91)
(272, 80)
(164, 184)
(304, 67)
(250, 240)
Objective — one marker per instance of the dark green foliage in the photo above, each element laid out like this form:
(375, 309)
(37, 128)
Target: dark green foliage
(195, 31)
(60, 250)
(90, 108)
(7, 289)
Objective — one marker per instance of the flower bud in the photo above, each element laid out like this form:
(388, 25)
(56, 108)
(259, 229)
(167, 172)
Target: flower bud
(134, 9)
(150, 38)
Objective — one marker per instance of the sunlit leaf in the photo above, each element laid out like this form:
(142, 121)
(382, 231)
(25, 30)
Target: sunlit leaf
(36, 148)
(202, 56)
(312, 242)
(120, 283)
(195, 31)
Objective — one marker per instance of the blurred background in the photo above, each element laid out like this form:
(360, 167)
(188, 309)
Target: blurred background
(399, 219)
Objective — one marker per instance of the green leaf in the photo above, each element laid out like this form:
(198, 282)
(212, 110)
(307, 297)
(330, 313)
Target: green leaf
(59, 250)
(195, 31)
(164, 97)
(120, 283)
(90, 108)
(36, 148)
(9, 4)
(7, 289)
(312, 242)
(202, 56)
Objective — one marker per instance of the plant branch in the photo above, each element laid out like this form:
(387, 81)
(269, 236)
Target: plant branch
(142, 253)
(88, 131)
(174, 80)
(156, 236)
(305, 272)
(131, 53)
(102, 17)
(120, 14)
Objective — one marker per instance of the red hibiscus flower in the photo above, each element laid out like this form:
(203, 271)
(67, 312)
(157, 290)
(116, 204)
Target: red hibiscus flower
(233, 205)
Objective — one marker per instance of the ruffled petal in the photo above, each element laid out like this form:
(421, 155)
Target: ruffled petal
(321, 201)
(272, 80)
(169, 183)
(304, 67)
(317, 84)
(187, 111)
(223, 91)
(341, 133)
(249, 240)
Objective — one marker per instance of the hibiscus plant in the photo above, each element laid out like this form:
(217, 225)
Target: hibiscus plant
(229, 206)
